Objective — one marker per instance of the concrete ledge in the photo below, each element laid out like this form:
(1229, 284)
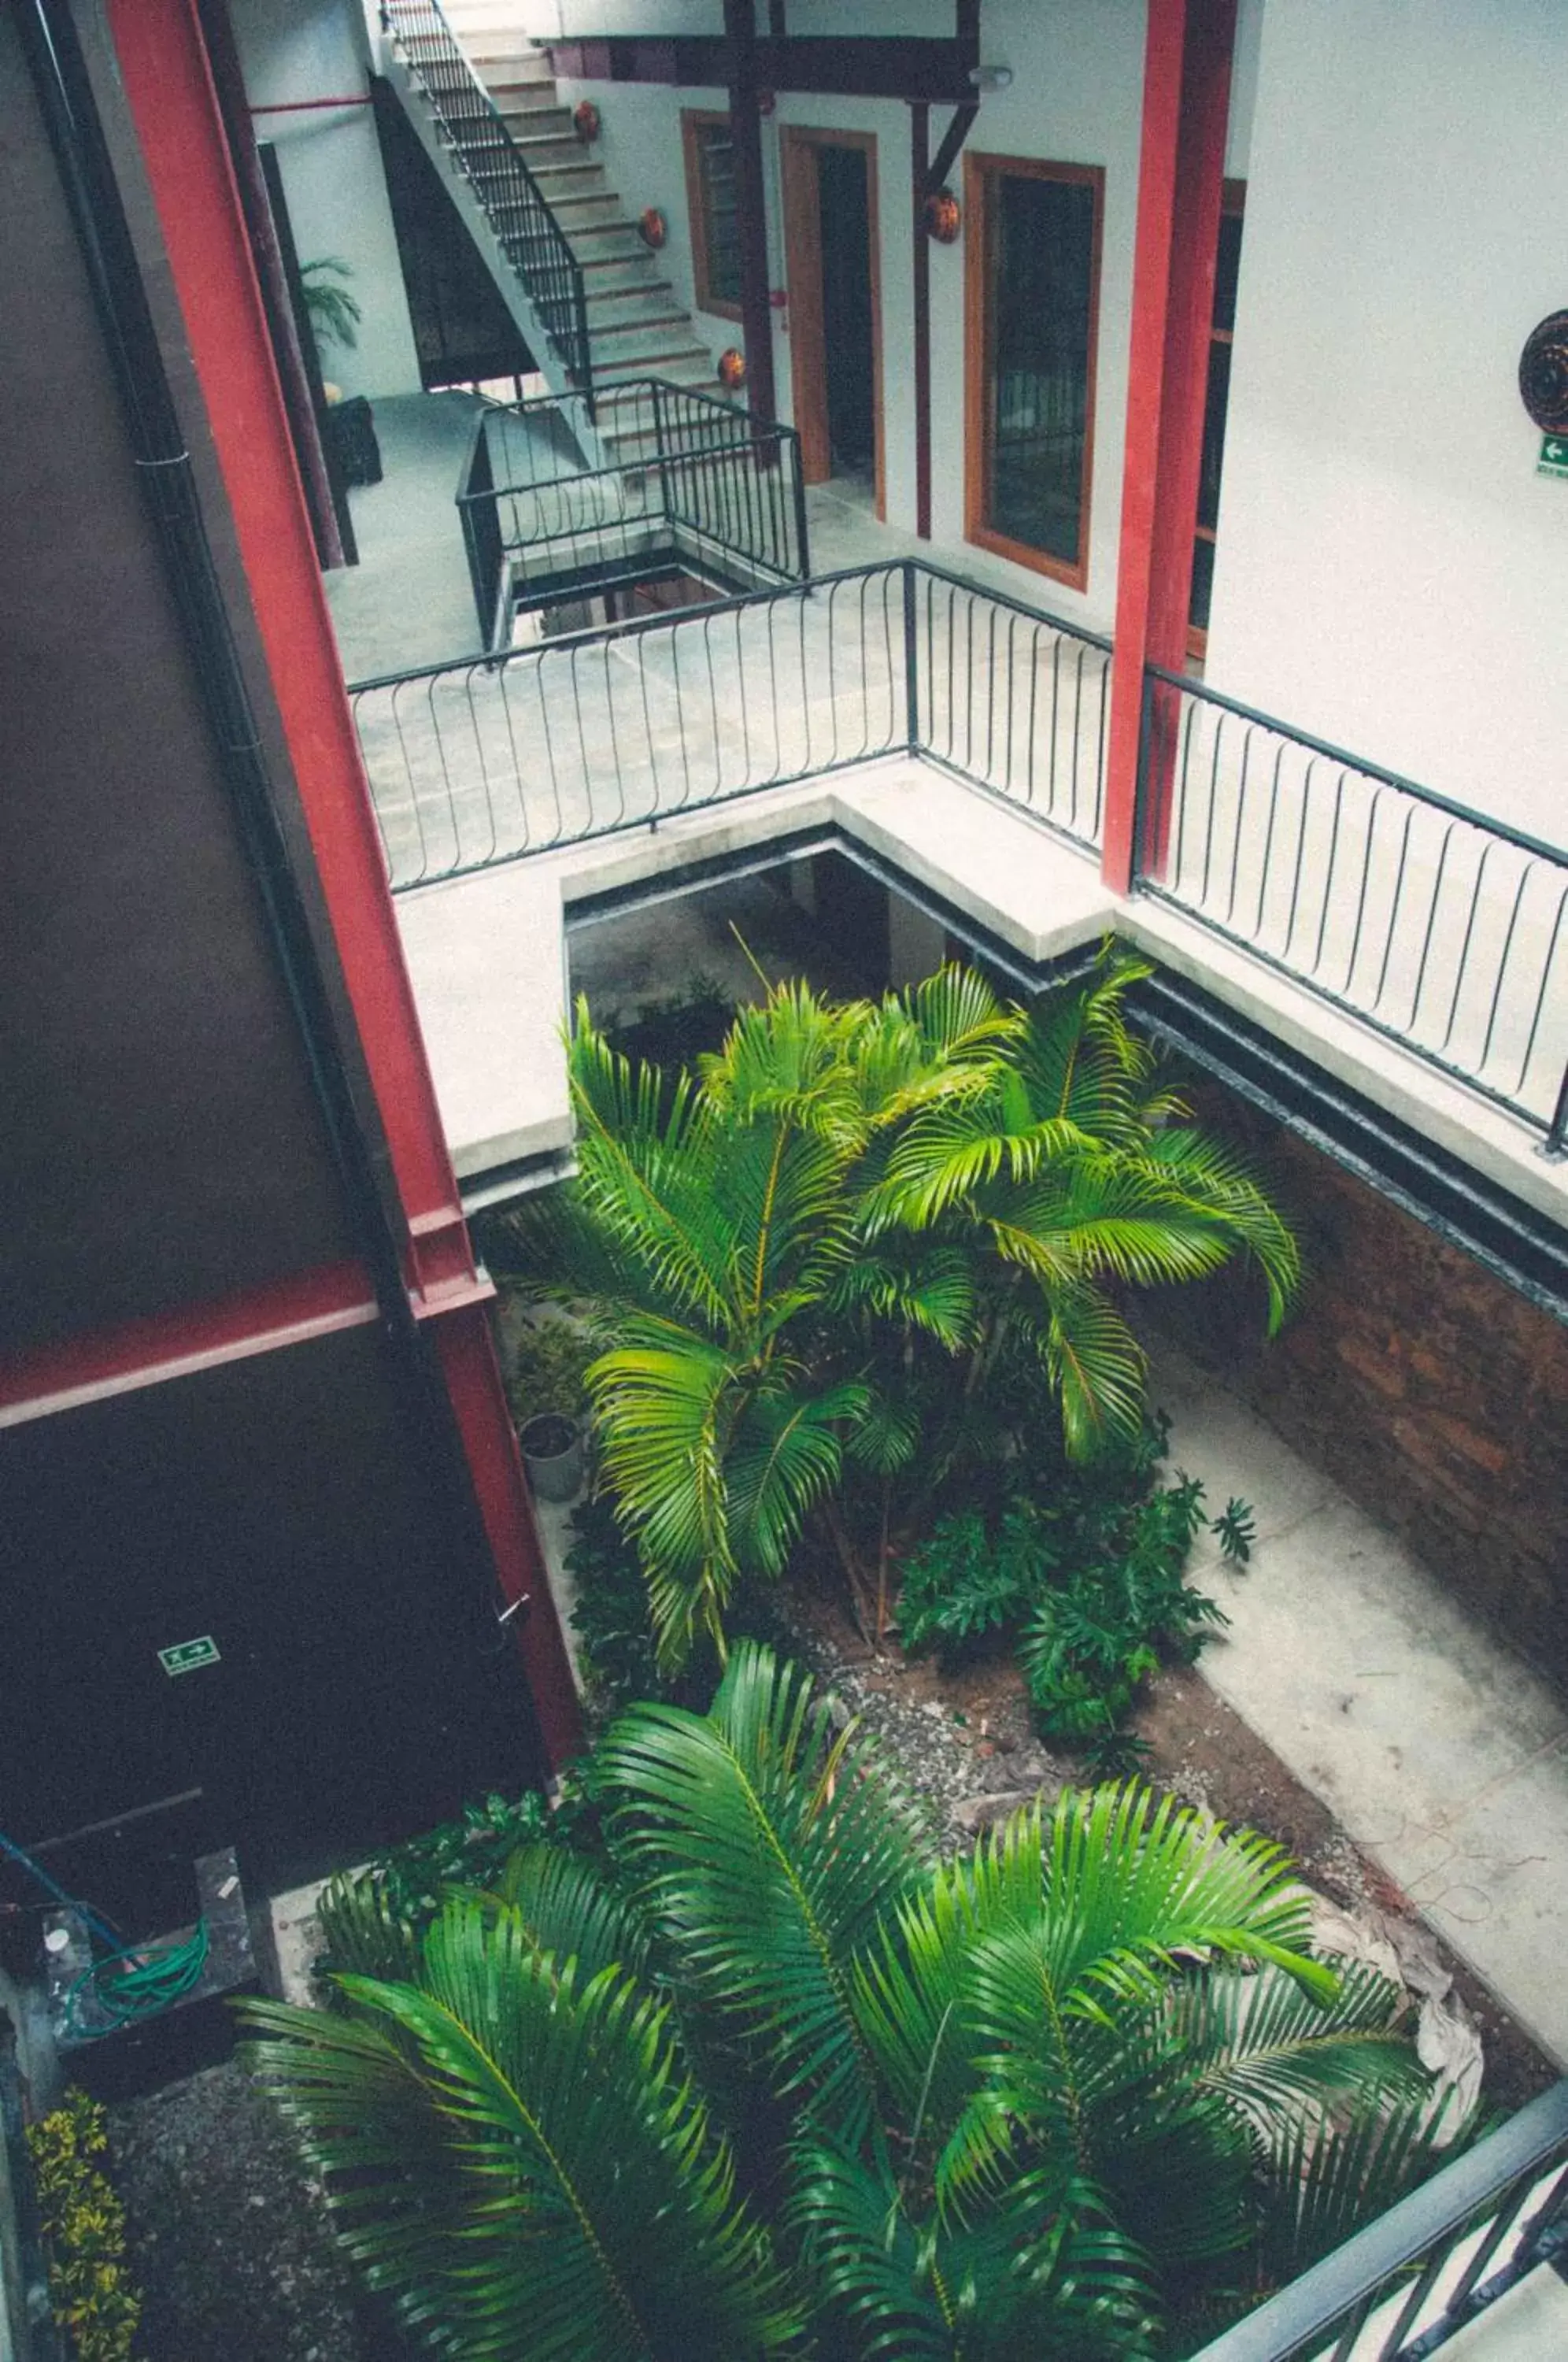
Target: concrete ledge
(488, 956)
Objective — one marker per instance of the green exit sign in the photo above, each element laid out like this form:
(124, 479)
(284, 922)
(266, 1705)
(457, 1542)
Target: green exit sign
(1553, 460)
(186, 1655)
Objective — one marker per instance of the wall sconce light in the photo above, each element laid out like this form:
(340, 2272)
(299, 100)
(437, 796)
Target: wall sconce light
(990, 77)
(586, 121)
(652, 227)
(731, 369)
(941, 216)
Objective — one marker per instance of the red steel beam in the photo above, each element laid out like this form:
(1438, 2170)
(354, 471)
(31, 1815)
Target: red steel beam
(1186, 96)
(169, 88)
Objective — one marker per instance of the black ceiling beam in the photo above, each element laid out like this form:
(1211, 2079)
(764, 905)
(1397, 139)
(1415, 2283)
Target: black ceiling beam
(848, 65)
(952, 139)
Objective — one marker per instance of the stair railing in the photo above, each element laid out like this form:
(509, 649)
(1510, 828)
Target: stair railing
(490, 161)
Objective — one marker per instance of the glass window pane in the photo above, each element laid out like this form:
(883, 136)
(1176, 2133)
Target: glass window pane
(1213, 435)
(718, 154)
(1041, 253)
(1202, 584)
(1227, 271)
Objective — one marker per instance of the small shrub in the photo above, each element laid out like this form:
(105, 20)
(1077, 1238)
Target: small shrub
(550, 1359)
(1090, 1572)
(84, 2225)
(970, 1578)
(610, 1616)
(469, 1851)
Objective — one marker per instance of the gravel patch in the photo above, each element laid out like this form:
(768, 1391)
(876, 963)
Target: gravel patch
(230, 2238)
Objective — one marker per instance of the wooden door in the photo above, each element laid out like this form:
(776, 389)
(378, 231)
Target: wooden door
(803, 265)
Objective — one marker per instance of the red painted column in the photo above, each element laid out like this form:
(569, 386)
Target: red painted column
(168, 86)
(1187, 89)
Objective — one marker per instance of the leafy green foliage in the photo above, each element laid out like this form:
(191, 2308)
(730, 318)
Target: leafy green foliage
(610, 1617)
(1062, 2095)
(1088, 1570)
(334, 315)
(550, 1360)
(844, 1256)
(91, 2295)
(403, 1887)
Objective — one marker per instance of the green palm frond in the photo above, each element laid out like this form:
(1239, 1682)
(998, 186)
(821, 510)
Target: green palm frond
(570, 1912)
(1266, 2046)
(1331, 2175)
(771, 1845)
(1043, 2276)
(508, 2148)
(364, 1933)
(787, 1454)
(1097, 1367)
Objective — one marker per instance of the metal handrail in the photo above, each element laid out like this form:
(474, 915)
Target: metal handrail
(1435, 925)
(632, 625)
(1486, 2191)
(525, 225)
(1191, 687)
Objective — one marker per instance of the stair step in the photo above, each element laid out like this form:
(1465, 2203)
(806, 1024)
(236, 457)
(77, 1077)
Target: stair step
(635, 291)
(662, 320)
(689, 365)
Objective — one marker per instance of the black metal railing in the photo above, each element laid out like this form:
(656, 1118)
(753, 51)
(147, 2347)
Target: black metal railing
(1412, 2279)
(1442, 929)
(472, 127)
(692, 482)
(498, 757)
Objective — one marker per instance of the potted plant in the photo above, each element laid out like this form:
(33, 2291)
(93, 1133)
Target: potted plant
(549, 1403)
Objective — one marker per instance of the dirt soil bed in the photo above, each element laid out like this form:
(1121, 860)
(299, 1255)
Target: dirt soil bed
(965, 1736)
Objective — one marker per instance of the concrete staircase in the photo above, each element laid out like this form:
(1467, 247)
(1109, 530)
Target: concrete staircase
(637, 327)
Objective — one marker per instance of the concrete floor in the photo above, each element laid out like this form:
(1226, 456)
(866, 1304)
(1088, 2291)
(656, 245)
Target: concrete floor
(409, 601)
(1441, 1754)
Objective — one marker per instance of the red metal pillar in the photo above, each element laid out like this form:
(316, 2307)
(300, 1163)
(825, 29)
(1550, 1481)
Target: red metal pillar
(168, 87)
(1186, 88)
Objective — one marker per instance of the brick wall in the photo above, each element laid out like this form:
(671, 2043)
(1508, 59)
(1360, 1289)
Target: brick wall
(1433, 1392)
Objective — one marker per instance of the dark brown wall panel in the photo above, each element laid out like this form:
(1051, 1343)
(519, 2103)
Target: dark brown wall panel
(281, 1506)
(162, 1145)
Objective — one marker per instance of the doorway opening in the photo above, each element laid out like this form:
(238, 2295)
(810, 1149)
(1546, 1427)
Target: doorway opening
(836, 323)
(1227, 273)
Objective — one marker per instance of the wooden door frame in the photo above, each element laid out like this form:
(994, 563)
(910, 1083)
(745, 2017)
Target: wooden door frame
(803, 276)
(979, 232)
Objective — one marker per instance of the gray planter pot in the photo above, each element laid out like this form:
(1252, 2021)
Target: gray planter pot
(553, 1453)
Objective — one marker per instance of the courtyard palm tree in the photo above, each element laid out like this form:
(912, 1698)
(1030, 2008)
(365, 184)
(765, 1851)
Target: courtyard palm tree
(1038, 2100)
(768, 1243)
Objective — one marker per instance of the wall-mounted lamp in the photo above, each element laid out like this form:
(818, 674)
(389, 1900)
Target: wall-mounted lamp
(990, 77)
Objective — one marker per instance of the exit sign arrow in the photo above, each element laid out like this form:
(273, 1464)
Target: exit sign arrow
(186, 1655)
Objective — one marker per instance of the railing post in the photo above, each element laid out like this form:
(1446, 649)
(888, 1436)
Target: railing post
(1141, 782)
(1555, 1144)
(911, 656)
(799, 490)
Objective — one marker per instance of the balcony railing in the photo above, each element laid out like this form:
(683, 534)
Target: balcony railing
(471, 127)
(694, 485)
(497, 757)
(1446, 930)
(1398, 2291)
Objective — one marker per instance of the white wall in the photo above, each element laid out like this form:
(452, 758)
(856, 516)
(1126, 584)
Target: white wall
(1075, 97)
(1392, 573)
(332, 175)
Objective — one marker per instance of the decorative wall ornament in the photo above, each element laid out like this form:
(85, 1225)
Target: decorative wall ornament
(586, 120)
(652, 227)
(731, 369)
(1543, 374)
(941, 216)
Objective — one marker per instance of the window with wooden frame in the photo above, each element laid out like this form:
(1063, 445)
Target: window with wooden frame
(712, 204)
(1032, 275)
(1227, 274)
